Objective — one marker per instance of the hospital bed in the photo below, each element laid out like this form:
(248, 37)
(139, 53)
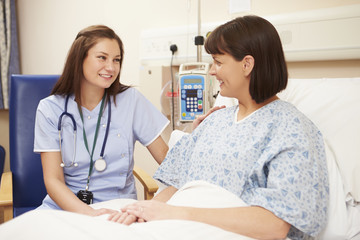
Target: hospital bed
(332, 104)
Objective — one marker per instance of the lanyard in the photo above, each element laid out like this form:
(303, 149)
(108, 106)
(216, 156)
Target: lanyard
(95, 137)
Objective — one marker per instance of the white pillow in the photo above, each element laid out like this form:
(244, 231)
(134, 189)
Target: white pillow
(337, 225)
(333, 105)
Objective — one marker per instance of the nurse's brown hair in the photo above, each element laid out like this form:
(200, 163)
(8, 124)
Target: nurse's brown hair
(70, 80)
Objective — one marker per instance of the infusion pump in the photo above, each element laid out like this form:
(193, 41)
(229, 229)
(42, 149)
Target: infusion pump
(195, 90)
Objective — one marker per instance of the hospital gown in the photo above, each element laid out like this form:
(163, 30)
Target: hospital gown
(273, 158)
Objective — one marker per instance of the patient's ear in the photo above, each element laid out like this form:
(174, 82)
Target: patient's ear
(248, 64)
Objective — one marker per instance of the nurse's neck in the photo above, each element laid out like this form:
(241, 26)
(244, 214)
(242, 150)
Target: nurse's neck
(90, 99)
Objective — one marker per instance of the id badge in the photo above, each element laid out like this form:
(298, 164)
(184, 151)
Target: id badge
(85, 196)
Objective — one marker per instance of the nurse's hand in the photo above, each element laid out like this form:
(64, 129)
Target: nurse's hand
(102, 211)
(200, 118)
(123, 217)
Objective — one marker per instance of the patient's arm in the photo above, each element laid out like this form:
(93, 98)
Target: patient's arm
(255, 222)
(165, 194)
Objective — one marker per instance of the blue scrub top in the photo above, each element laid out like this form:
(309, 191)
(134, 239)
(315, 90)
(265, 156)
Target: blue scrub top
(133, 118)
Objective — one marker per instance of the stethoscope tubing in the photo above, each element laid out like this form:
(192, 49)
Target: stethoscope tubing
(66, 113)
(106, 131)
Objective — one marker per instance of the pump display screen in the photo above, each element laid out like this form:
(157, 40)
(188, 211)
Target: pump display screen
(191, 80)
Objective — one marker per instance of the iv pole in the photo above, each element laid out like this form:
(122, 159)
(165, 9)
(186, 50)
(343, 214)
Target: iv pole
(199, 40)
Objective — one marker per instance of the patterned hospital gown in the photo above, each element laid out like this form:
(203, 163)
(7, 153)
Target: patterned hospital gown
(274, 158)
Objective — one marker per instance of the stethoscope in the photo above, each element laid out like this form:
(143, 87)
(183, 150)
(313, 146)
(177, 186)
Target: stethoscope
(100, 164)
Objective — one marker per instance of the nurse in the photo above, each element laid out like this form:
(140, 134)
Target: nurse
(86, 129)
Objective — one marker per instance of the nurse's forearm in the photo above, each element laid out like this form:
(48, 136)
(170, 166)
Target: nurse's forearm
(158, 149)
(65, 198)
(56, 187)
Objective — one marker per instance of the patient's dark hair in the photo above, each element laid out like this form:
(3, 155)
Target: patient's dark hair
(255, 36)
(70, 80)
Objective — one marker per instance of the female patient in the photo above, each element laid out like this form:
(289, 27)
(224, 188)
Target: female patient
(263, 150)
(97, 165)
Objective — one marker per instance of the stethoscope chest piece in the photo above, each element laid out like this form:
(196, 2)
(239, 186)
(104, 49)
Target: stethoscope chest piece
(100, 165)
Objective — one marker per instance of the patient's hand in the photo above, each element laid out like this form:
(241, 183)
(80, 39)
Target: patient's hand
(122, 217)
(200, 118)
(143, 211)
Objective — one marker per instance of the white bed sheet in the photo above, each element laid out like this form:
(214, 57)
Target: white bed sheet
(49, 224)
(54, 224)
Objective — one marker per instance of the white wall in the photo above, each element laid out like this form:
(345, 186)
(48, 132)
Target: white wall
(48, 27)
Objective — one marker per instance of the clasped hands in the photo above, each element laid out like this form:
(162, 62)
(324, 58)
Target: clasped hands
(143, 211)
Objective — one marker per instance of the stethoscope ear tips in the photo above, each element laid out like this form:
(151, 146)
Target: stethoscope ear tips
(73, 164)
(63, 165)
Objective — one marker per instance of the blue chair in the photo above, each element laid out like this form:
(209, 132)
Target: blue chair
(23, 188)
(25, 165)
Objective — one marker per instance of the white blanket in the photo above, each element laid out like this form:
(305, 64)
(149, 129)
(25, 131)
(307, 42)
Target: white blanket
(52, 224)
